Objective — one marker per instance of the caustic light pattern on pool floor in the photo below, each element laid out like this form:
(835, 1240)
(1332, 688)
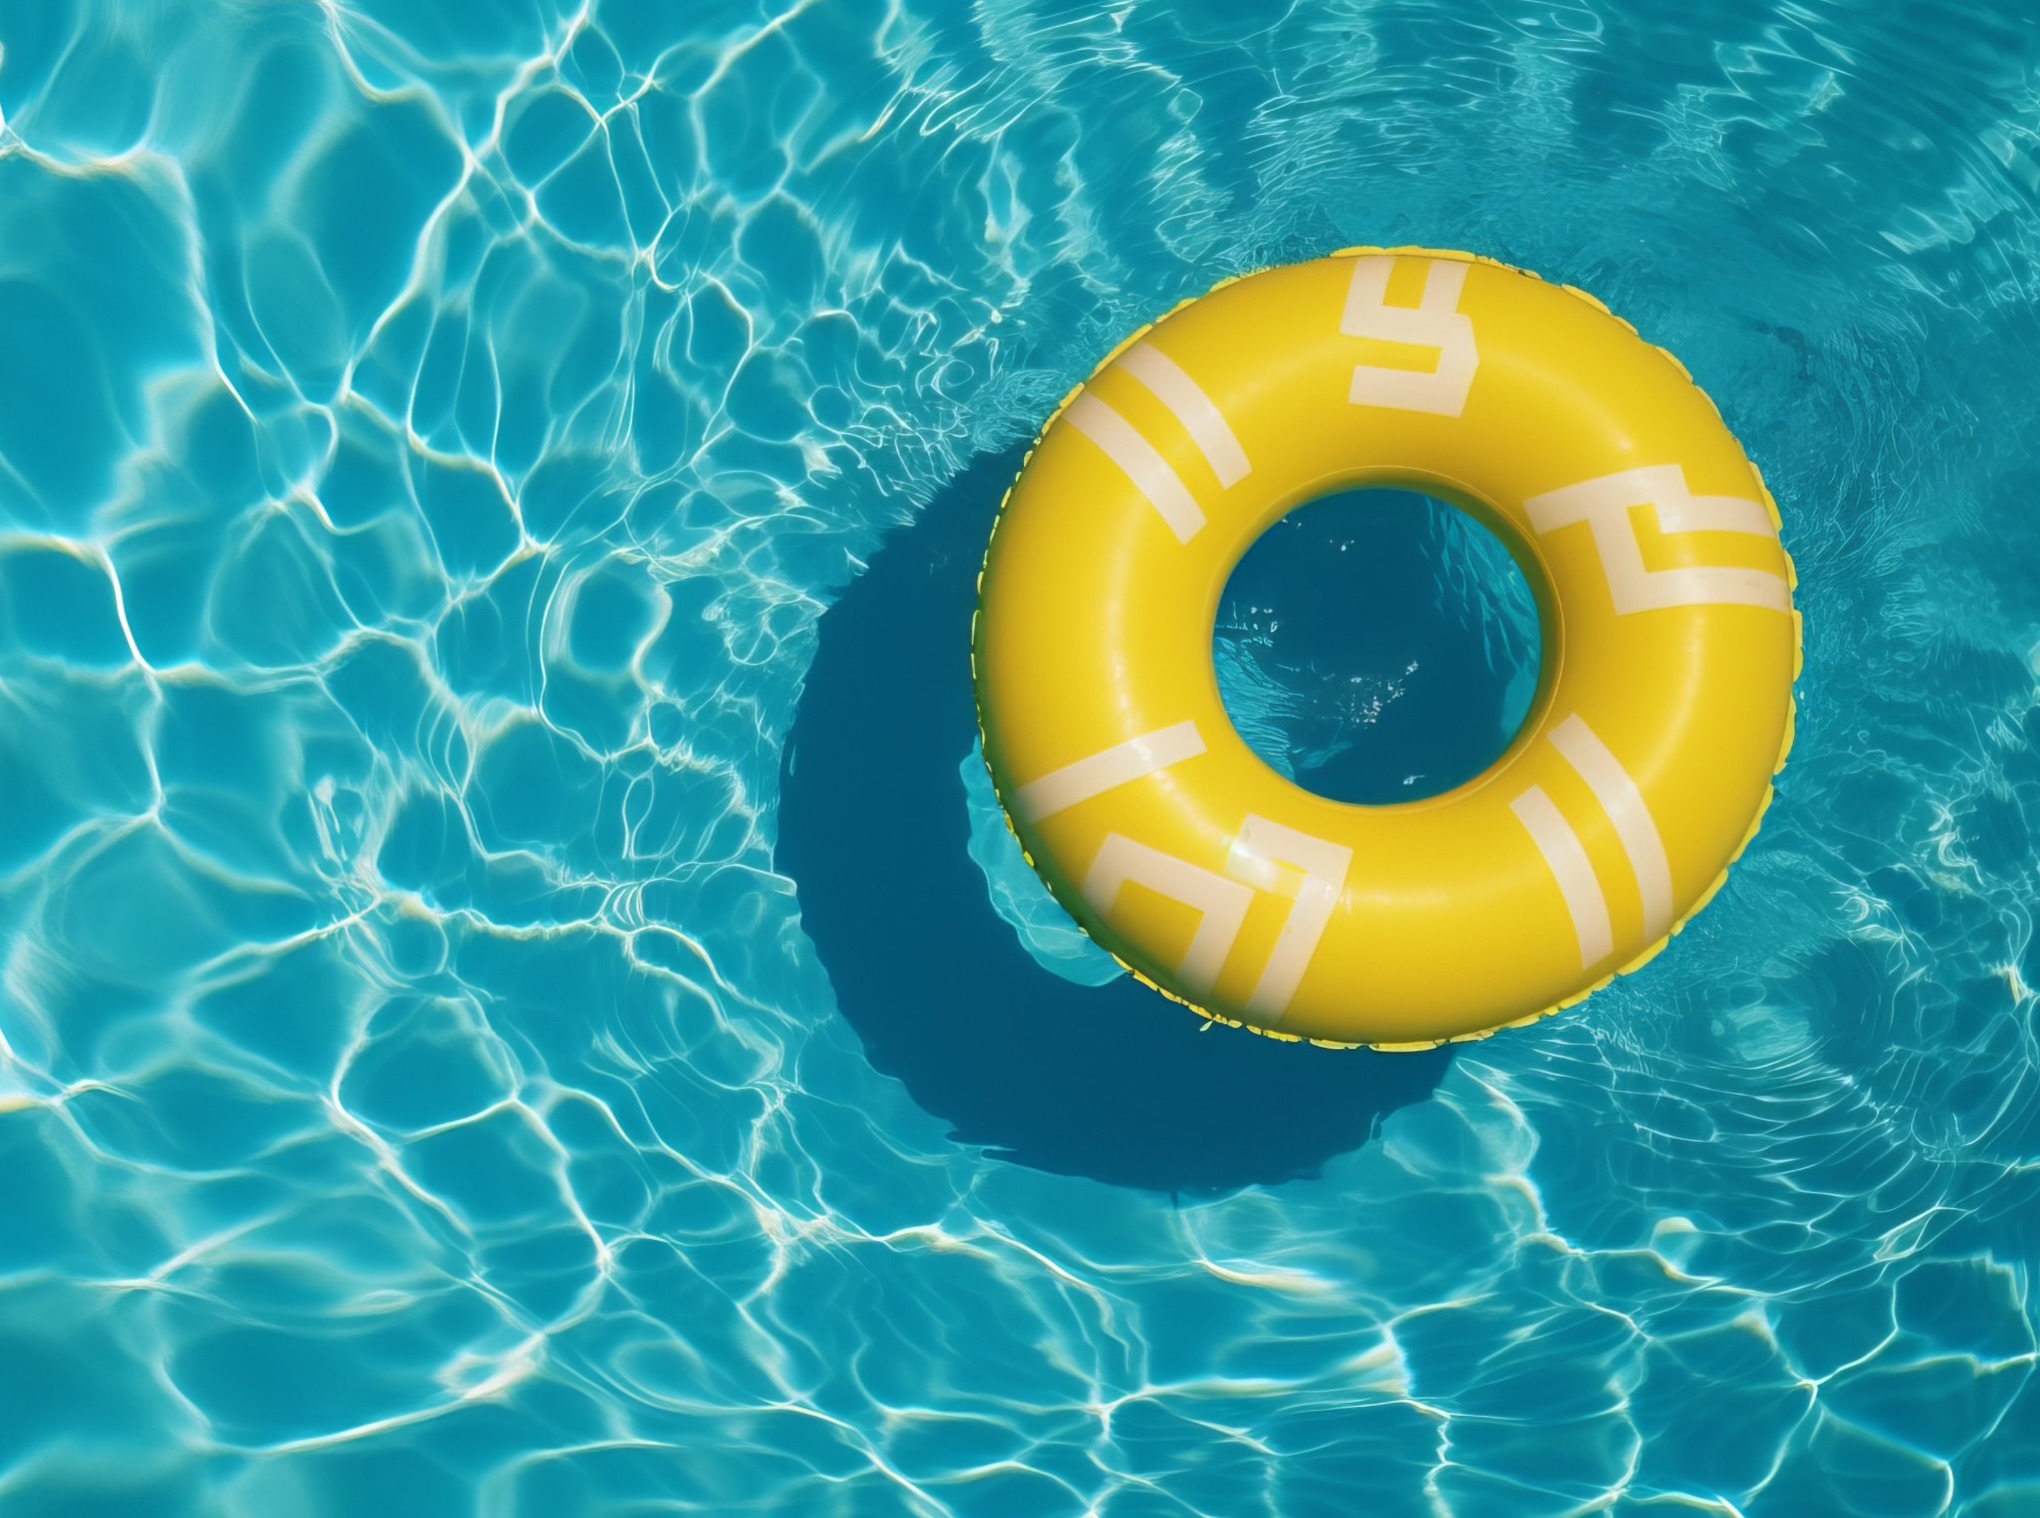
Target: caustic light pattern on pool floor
(430, 436)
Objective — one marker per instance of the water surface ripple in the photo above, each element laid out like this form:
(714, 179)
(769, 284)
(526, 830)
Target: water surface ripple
(431, 432)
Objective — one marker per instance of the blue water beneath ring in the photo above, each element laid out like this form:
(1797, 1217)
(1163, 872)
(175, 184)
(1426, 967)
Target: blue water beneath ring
(441, 444)
(1377, 646)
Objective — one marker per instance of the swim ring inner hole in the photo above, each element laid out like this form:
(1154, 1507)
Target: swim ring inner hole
(1378, 646)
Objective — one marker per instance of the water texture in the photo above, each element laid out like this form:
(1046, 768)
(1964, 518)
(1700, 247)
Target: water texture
(431, 433)
(1377, 646)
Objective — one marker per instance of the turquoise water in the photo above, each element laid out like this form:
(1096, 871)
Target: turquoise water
(1377, 646)
(432, 436)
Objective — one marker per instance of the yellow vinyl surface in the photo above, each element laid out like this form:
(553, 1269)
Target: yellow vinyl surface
(1669, 650)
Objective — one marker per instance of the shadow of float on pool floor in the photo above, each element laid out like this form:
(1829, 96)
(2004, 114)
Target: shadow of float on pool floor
(1111, 1082)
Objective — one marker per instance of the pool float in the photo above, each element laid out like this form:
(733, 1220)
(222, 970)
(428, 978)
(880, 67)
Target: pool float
(1669, 650)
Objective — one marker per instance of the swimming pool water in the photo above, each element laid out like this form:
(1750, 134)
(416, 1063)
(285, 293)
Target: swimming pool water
(433, 434)
(1377, 646)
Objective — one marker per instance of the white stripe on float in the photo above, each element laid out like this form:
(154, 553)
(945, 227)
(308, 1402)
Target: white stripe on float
(1261, 847)
(1567, 857)
(1436, 322)
(1138, 460)
(1622, 799)
(1604, 505)
(1221, 904)
(1123, 763)
(1188, 403)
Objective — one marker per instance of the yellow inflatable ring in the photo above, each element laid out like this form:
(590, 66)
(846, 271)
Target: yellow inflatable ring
(1669, 649)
